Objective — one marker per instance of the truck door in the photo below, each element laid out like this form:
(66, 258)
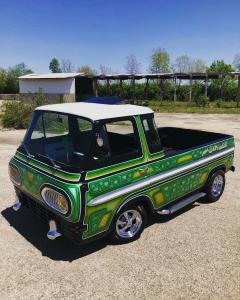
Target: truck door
(117, 157)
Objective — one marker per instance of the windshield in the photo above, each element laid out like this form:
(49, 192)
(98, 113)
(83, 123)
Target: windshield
(59, 139)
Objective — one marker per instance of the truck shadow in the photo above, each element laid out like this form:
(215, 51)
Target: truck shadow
(34, 231)
(62, 249)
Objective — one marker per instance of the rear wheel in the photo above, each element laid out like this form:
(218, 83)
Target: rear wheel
(129, 224)
(215, 186)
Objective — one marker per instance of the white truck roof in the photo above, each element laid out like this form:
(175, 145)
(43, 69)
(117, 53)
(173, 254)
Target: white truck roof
(95, 111)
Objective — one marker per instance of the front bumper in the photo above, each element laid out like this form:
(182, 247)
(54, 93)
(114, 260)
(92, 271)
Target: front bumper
(72, 231)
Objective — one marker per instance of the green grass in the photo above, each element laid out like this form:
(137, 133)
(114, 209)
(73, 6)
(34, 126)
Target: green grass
(214, 107)
(197, 110)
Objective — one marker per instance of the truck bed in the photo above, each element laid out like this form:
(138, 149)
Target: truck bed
(175, 140)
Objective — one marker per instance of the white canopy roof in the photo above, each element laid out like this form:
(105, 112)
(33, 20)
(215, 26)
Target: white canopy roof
(97, 111)
(51, 76)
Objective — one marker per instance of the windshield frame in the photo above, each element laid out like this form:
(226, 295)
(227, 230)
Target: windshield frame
(51, 161)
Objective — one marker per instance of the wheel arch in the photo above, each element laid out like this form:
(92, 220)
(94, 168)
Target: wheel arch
(221, 167)
(142, 200)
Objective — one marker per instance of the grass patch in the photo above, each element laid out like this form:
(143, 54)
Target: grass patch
(212, 107)
(197, 110)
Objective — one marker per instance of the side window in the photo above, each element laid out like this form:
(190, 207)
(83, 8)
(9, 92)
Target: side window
(55, 124)
(151, 133)
(124, 127)
(84, 125)
(38, 131)
(117, 141)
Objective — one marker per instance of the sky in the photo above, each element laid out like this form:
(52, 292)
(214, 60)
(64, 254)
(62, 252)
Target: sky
(94, 32)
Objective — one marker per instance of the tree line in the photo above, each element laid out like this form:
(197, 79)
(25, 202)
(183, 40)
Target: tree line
(224, 88)
(8, 78)
(160, 62)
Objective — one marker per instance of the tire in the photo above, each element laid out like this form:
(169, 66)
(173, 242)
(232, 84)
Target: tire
(129, 224)
(215, 186)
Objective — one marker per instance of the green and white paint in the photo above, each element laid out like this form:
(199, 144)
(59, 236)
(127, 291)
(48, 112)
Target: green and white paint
(160, 179)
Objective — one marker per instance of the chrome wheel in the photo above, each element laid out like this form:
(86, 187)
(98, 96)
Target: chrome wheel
(129, 223)
(217, 186)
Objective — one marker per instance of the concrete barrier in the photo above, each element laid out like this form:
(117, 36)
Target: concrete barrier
(9, 96)
(51, 98)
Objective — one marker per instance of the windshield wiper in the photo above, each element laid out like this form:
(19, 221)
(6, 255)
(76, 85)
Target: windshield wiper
(27, 151)
(51, 160)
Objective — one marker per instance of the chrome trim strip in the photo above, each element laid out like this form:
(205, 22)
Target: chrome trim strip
(148, 181)
(153, 160)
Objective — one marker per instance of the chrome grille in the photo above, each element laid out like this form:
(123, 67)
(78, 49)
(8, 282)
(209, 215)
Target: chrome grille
(14, 175)
(51, 197)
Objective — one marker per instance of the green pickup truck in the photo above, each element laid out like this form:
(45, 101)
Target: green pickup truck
(92, 170)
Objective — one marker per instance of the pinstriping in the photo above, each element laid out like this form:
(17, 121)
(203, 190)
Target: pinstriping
(153, 179)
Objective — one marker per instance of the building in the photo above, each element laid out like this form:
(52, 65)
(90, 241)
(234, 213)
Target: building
(57, 87)
(69, 87)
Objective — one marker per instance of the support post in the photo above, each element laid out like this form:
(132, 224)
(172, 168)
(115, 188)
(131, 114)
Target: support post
(221, 85)
(95, 88)
(238, 91)
(108, 87)
(206, 86)
(146, 89)
(175, 88)
(190, 89)
(161, 89)
(133, 83)
(121, 89)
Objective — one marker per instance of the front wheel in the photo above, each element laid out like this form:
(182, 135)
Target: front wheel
(215, 186)
(129, 224)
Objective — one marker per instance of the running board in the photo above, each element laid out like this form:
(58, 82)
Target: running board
(175, 207)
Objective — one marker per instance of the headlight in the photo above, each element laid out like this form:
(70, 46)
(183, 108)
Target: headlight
(15, 175)
(56, 200)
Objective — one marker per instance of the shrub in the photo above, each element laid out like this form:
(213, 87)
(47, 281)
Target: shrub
(220, 103)
(17, 114)
(39, 99)
(202, 101)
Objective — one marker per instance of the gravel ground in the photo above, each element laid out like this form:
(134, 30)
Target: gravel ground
(194, 254)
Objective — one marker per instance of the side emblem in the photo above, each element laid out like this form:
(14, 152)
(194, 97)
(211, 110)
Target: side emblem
(30, 176)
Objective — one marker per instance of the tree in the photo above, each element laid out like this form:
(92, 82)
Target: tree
(104, 70)
(132, 66)
(219, 66)
(185, 64)
(236, 62)
(67, 66)
(160, 61)
(9, 78)
(182, 64)
(224, 82)
(198, 66)
(3, 75)
(54, 66)
(22, 69)
(87, 69)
